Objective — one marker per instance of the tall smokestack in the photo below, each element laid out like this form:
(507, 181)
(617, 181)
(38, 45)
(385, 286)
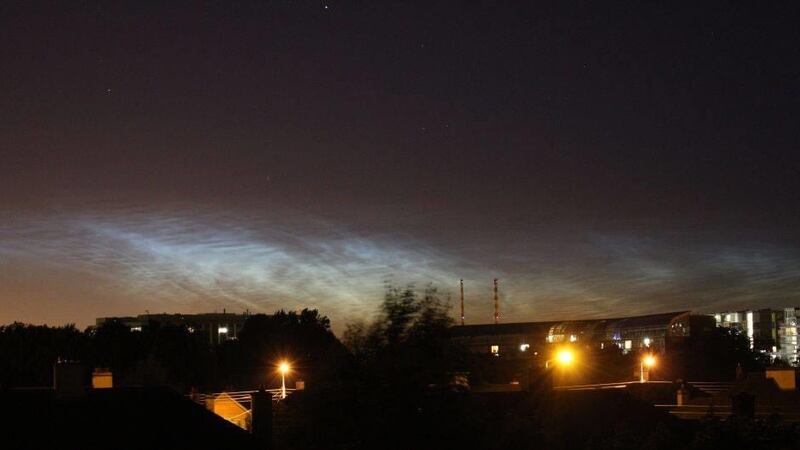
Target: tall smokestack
(496, 304)
(462, 302)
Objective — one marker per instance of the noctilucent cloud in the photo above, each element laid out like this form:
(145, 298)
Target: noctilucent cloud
(71, 265)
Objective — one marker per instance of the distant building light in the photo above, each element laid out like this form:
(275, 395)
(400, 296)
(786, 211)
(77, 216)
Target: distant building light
(524, 347)
(628, 344)
(136, 328)
(222, 330)
(646, 342)
(495, 350)
(190, 329)
(573, 338)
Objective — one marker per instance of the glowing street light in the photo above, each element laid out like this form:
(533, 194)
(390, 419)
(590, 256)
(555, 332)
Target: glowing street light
(283, 368)
(648, 361)
(564, 358)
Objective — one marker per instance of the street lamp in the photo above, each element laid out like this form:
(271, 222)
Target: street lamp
(648, 361)
(283, 368)
(564, 358)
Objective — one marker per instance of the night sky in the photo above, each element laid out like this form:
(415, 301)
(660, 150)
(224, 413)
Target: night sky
(600, 159)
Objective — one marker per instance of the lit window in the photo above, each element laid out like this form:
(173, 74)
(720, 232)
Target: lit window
(136, 328)
(628, 344)
(223, 330)
(495, 349)
(524, 347)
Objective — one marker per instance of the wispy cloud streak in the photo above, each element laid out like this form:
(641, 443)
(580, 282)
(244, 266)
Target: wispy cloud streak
(185, 259)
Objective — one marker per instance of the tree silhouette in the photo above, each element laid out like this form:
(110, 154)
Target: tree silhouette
(27, 352)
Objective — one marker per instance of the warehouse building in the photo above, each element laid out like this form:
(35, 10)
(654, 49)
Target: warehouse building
(655, 332)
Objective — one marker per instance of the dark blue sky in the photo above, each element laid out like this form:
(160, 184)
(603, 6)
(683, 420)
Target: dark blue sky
(600, 159)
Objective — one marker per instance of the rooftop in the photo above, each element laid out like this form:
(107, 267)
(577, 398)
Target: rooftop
(119, 418)
(648, 320)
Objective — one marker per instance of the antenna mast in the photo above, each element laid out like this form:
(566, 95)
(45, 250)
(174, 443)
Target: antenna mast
(496, 304)
(462, 302)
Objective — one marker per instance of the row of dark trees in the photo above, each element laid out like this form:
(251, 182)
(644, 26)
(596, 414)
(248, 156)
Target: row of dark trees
(171, 355)
(410, 336)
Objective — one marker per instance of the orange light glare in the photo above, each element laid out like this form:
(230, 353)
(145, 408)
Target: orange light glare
(565, 357)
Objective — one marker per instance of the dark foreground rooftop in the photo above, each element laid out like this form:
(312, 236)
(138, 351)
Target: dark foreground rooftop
(126, 418)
